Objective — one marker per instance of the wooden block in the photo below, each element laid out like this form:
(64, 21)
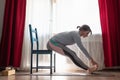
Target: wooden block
(8, 72)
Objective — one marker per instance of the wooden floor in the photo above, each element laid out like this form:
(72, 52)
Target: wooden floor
(98, 75)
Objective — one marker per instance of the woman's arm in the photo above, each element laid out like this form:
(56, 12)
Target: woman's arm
(77, 39)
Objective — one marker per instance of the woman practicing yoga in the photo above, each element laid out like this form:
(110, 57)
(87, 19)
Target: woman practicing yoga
(60, 41)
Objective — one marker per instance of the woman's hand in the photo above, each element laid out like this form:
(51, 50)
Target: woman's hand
(93, 63)
(94, 66)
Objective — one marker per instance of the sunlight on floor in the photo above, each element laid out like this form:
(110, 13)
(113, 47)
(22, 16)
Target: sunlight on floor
(63, 65)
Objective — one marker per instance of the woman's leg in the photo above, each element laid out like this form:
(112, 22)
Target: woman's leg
(50, 46)
(71, 54)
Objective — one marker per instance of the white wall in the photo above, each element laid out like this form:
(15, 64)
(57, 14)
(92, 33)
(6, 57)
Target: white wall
(2, 5)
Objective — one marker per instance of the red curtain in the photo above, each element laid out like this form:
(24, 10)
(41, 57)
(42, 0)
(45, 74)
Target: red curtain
(12, 33)
(110, 23)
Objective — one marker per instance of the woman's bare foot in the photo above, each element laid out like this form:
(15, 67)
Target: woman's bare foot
(92, 69)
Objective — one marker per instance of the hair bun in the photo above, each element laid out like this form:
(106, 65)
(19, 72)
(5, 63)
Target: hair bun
(78, 27)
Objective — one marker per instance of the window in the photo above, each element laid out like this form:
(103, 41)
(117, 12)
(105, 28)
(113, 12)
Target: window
(67, 14)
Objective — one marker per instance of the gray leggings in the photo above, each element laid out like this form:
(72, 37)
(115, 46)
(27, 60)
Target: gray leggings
(72, 55)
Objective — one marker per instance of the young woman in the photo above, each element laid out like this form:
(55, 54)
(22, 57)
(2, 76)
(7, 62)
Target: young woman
(59, 42)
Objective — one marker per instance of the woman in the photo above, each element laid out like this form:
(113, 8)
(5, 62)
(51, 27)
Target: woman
(59, 42)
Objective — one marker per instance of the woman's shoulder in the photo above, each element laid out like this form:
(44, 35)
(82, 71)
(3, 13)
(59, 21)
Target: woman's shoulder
(73, 32)
(67, 33)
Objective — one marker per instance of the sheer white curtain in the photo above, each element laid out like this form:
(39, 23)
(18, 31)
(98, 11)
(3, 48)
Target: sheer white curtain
(71, 13)
(53, 17)
(38, 14)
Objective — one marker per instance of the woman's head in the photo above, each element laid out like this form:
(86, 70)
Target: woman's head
(84, 30)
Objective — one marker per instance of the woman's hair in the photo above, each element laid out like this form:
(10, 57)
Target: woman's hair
(84, 28)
